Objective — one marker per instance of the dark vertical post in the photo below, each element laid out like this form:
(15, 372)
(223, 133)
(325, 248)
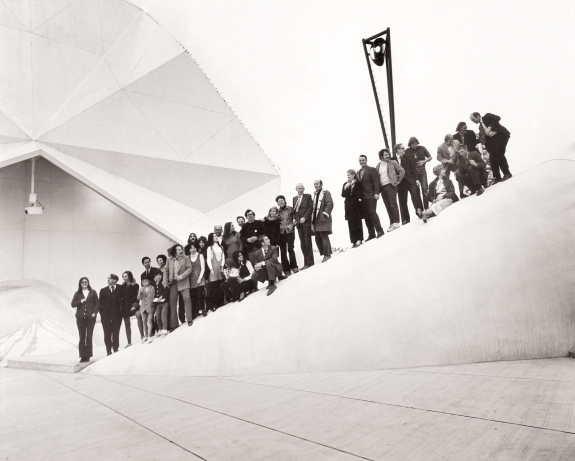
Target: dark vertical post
(375, 94)
(390, 87)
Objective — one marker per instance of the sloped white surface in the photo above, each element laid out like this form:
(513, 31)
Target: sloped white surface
(491, 278)
(35, 319)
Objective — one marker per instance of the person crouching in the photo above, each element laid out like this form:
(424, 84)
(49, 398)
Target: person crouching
(441, 193)
(266, 264)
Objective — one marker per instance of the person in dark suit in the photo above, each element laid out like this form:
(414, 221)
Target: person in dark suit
(111, 313)
(471, 171)
(352, 193)
(251, 230)
(149, 271)
(302, 206)
(85, 301)
(370, 185)
(422, 156)
(267, 267)
(465, 136)
(129, 290)
(496, 138)
(409, 183)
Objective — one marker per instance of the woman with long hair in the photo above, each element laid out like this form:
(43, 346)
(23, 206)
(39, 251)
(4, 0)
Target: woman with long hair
(239, 282)
(192, 238)
(272, 225)
(215, 261)
(352, 193)
(129, 291)
(231, 240)
(85, 301)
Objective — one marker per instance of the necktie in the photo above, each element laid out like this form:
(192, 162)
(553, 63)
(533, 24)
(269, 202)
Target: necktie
(316, 200)
(298, 203)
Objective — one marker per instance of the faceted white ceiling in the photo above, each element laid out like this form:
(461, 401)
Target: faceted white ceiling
(101, 89)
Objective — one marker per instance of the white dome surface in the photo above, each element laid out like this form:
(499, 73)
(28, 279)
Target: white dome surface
(35, 319)
(491, 278)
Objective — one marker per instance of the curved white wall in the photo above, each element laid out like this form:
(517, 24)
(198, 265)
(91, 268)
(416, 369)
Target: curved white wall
(492, 278)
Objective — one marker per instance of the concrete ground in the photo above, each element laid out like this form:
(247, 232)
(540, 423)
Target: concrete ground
(523, 410)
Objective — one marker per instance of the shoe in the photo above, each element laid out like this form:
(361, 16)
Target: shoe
(255, 289)
(418, 212)
(115, 351)
(390, 228)
(288, 273)
(369, 238)
(396, 225)
(128, 345)
(271, 289)
(405, 222)
(325, 258)
(190, 323)
(358, 244)
(281, 277)
(424, 219)
(507, 176)
(150, 340)
(109, 353)
(82, 360)
(380, 234)
(304, 268)
(295, 271)
(144, 340)
(479, 191)
(495, 181)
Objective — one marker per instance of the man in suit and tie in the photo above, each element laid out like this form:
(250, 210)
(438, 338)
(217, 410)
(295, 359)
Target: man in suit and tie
(369, 179)
(302, 206)
(266, 264)
(111, 314)
(149, 271)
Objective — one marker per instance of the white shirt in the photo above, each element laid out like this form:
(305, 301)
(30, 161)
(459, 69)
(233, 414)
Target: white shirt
(383, 176)
(85, 292)
(440, 189)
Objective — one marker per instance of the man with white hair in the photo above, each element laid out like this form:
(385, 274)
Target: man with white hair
(302, 205)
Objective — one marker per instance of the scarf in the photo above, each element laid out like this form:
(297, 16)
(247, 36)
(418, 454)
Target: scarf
(317, 203)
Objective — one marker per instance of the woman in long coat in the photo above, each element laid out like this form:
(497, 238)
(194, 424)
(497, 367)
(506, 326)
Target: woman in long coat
(352, 191)
(85, 301)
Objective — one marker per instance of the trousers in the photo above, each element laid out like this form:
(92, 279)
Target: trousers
(111, 327)
(323, 243)
(234, 288)
(402, 190)
(389, 197)
(162, 310)
(371, 218)
(85, 329)
(174, 292)
(304, 233)
(422, 176)
(287, 254)
(197, 296)
(128, 327)
(496, 146)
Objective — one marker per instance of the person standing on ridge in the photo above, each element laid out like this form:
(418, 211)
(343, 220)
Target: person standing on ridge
(287, 236)
(390, 175)
(369, 179)
(409, 183)
(302, 205)
(422, 156)
(496, 139)
(321, 219)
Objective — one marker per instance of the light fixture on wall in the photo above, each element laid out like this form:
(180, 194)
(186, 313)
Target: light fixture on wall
(35, 206)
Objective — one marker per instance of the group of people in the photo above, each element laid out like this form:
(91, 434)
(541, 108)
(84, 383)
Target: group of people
(201, 276)
(206, 273)
(477, 161)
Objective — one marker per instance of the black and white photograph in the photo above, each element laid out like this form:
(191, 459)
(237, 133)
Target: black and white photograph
(309, 230)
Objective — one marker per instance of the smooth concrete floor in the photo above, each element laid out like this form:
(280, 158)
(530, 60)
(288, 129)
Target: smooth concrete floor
(523, 410)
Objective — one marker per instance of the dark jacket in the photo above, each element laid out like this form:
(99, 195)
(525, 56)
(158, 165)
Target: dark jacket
(419, 153)
(129, 298)
(369, 182)
(153, 272)
(448, 187)
(111, 304)
(352, 202)
(272, 230)
(323, 218)
(304, 211)
(85, 310)
(410, 167)
(492, 121)
(469, 139)
(463, 164)
(161, 291)
(254, 229)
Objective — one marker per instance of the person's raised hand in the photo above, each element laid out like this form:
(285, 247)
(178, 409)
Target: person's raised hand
(418, 183)
(376, 196)
(302, 220)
